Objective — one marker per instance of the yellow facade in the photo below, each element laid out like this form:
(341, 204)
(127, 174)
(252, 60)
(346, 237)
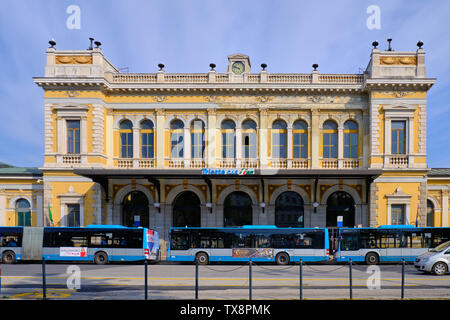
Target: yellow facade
(97, 179)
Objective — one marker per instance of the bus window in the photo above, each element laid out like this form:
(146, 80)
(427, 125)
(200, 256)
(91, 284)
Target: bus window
(179, 241)
(349, 241)
(440, 235)
(390, 240)
(368, 239)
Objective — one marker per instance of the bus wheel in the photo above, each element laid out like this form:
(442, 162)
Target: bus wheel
(101, 258)
(372, 258)
(9, 257)
(202, 258)
(439, 268)
(282, 258)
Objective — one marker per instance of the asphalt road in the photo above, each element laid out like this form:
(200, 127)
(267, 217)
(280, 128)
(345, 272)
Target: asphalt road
(222, 282)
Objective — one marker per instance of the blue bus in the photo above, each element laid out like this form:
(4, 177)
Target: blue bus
(389, 243)
(95, 243)
(256, 242)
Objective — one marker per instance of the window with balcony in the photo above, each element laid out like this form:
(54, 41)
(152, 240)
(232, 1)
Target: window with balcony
(279, 139)
(300, 140)
(177, 139)
(147, 139)
(126, 139)
(73, 136)
(398, 137)
(228, 131)
(249, 140)
(330, 137)
(197, 139)
(350, 140)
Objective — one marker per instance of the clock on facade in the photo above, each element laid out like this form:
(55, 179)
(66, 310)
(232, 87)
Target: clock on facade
(238, 67)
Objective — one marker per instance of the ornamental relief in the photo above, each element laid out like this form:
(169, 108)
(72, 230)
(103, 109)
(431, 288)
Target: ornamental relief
(398, 60)
(73, 60)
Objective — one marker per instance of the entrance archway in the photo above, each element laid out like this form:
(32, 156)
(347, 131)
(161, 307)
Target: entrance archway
(289, 210)
(237, 209)
(135, 210)
(340, 203)
(186, 210)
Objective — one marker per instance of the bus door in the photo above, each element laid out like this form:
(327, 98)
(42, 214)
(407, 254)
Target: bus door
(32, 243)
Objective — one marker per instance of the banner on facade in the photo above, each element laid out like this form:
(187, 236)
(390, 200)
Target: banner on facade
(73, 251)
(252, 253)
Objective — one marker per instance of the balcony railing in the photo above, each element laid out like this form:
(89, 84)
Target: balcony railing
(398, 161)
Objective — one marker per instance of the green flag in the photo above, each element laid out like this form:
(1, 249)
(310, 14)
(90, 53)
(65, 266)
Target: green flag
(50, 214)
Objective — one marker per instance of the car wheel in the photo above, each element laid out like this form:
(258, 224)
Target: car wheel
(439, 268)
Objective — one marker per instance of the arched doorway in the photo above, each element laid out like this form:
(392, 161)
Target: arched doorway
(237, 209)
(135, 210)
(289, 210)
(186, 210)
(340, 203)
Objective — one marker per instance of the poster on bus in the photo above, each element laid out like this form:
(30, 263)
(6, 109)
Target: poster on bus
(253, 253)
(73, 251)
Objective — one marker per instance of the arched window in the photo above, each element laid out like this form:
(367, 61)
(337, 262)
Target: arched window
(198, 139)
(249, 140)
(186, 210)
(237, 209)
(23, 213)
(135, 210)
(147, 139)
(289, 210)
(350, 139)
(340, 203)
(279, 139)
(177, 139)
(398, 137)
(228, 131)
(126, 139)
(430, 214)
(330, 135)
(300, 139)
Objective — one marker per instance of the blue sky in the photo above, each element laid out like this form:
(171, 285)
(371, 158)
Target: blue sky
(188, 35)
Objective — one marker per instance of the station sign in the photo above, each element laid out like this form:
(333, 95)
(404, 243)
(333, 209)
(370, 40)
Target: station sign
(226, 172)
(340, 221)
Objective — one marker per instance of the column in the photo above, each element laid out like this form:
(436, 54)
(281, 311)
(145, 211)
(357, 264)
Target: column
(238, 155)
(340, 146)
(289, 146)
(2, 208)
(211, 139)
(83, 139)
(187, 147)
(444, 208)
(136, 144)
(263, 139)
(159, 150)
(315, 138)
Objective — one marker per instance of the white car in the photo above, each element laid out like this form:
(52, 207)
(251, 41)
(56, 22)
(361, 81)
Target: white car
(436, 260)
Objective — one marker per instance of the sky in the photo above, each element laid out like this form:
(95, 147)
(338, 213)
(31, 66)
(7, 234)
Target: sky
(188, 35)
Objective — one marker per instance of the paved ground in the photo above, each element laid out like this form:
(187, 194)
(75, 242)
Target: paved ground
(222, 282)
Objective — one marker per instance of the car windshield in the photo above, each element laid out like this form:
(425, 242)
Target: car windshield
(441, 247)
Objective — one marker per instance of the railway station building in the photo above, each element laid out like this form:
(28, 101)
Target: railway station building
(242, 147)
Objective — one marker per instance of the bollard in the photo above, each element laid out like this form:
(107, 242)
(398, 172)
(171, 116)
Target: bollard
(351, 283)
(250, 278)
(403, 278)
(301, 279)
(196, 279)
(44, 285)
(146, 279)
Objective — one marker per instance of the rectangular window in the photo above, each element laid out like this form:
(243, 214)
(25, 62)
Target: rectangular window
(398, 137)
(147, 150)
(279, 145)
(198, 145)
(73, 215)
(330, 145)
(177, 144)
(398, 214)
(126, 143)
(73, 136)
(300, 145)
(350, 145)
(228, 142)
